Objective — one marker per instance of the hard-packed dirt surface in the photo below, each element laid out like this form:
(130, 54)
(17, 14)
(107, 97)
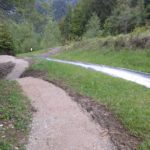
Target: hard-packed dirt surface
(59, 123)
(51, 52)
(99, 113)
(20, 66)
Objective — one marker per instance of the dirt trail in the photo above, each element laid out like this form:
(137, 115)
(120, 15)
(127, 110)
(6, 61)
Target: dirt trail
(51, 52)
(19, 66)
(59, 123)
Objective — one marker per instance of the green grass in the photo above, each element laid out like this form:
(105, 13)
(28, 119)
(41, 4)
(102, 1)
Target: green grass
(33, 53)
(15, 115)
(130, 102)
(137, 60)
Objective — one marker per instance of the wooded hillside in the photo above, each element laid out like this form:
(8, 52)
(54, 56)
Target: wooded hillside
(41, 24)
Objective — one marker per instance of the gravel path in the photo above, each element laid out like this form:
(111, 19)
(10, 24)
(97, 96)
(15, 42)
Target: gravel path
(20, 66)
(51, 52)
(127, 74)
(59, 123)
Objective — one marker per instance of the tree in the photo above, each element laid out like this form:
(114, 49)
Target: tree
(65, 25)
(147, 13)
(133, 3)
(17, 7)
(147, 10)
(125, 18)
(103, 8)
(93, 27)
(6, 42)
(24, 36)
(80, 17)
(59, 8)
(83, 12)
(52, 35)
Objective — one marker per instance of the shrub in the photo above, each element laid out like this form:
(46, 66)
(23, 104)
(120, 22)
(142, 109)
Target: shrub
(30, 43)
(140, 42)
(6, 41)
(25, 37)
(120, 42)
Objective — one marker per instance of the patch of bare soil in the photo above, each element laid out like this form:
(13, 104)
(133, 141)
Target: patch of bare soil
(5, 69)
(20, 66)
(120, 136)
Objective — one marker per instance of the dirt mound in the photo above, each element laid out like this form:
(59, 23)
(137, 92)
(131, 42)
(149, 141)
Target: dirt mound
(20, 66)
(5, 69)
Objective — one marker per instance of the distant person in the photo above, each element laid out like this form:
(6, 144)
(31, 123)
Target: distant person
(31, 49)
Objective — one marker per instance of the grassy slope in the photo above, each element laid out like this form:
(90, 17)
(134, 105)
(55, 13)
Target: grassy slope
(137, 60)
(129, 51)
(14, 115)
(130, 102)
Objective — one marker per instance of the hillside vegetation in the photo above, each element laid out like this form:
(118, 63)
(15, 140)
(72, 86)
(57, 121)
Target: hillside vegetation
(130, 51)
(36, 24)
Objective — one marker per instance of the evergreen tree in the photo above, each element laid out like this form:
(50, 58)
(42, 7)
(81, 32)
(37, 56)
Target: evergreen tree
(59, 9)
(65, 25)
(103, 8)
(93, 27)
(83, 12)
(125, 18)
(147, 10)
(24, 36)
(80, 17)
(52, 35)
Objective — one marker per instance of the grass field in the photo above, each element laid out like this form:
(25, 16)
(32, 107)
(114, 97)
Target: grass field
(15, 115)
(137, 60)
(130, 102)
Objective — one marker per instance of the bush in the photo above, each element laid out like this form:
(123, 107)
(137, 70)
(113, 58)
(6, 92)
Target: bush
(6, 41)
(30, 43)
(24, 37)
(140, 42)
(143, 29)
(136, 40)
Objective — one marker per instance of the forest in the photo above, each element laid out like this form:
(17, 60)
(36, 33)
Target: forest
(39, 24)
